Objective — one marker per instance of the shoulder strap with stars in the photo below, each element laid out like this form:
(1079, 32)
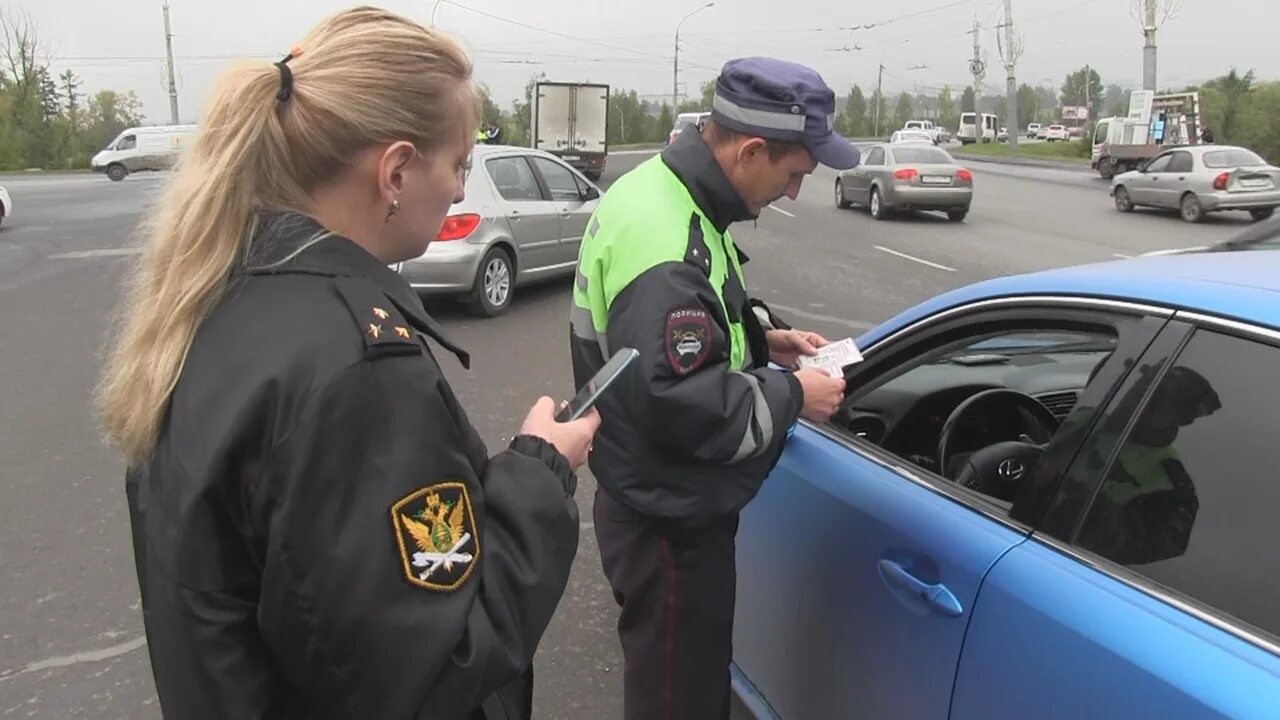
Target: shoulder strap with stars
(697, 253)
(382, 326)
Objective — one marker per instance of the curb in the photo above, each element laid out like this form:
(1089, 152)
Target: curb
(41, 173)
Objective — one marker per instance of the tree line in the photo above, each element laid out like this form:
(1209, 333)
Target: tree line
(45, 120)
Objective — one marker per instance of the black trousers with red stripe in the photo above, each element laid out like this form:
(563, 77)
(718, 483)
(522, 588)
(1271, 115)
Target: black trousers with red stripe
(676, 590)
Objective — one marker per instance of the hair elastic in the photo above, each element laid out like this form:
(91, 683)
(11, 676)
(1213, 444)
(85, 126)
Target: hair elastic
(286, 79)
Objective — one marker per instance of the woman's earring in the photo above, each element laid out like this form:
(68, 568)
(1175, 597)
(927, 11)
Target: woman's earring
(393, 207)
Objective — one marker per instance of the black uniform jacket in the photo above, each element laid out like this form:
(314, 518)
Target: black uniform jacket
(319, 532)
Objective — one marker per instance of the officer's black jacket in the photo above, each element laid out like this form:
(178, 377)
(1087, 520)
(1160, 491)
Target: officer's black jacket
(281, 525)
(686, 449)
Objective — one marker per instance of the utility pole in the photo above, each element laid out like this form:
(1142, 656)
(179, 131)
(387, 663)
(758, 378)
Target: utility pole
(168, 51)
(978, 69)
(1088, 77)
(1010, 51)
(675, 76)
(1149, 47)
(879, 99)
(675, 64)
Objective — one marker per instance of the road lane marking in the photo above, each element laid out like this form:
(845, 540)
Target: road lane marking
(855, 324)
(1122, 255)
(104, 252)
(784, 212)
(75, 658)
(913, 258)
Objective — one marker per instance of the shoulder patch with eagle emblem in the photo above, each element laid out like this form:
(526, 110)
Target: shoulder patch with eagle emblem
(436, 533)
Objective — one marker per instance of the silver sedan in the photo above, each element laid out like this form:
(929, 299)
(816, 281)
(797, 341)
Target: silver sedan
(522, 221)
(1201, 179)
(908, 176)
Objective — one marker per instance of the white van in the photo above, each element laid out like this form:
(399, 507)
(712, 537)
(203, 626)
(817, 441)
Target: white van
(143, 148)
(684, 120)
(969, 131)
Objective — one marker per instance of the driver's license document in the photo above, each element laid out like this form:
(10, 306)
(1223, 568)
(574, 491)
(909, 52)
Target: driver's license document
(833, 358)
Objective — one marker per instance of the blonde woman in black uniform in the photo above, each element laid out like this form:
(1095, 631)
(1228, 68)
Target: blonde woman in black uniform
(319, 531)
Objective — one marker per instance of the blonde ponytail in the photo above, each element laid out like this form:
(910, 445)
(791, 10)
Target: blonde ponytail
(364, 76)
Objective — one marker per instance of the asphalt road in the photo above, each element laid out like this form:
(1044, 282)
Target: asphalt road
(71, 643)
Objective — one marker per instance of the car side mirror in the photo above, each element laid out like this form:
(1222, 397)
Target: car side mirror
(591, 193)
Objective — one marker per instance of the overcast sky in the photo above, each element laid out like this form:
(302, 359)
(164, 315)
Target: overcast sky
(120, 44)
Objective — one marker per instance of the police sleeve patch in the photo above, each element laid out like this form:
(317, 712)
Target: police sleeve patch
(436, 534)
(688, 339)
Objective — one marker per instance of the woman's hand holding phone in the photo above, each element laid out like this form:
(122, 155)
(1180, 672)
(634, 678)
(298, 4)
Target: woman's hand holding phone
(572, 439)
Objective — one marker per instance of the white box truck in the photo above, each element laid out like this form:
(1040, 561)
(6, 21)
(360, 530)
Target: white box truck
(143, 148)
(571, 120)
(1121, 144)
(973, 130)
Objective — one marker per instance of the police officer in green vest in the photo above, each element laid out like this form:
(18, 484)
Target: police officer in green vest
(1148, 505)
(691, 432)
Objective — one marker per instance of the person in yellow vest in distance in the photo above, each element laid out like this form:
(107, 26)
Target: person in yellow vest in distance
(694, 428)
(1148, 504)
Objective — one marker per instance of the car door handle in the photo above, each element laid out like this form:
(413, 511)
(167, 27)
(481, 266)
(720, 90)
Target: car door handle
(937, 597)
(514, 215)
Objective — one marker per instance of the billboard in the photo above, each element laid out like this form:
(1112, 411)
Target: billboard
(1075, 112)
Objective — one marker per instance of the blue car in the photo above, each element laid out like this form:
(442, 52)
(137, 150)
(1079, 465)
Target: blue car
(1046, 496)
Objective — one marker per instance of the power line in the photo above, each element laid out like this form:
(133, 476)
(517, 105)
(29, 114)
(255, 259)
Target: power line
(726, 33)
(553, 32)
(995, 11)
(1073, 8)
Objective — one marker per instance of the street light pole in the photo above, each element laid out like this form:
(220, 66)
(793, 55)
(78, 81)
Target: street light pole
(675, 63)
(168, 53)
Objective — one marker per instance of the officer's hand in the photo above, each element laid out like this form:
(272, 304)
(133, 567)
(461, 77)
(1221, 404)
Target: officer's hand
(822, 394)
(571, 439)
(786, 346)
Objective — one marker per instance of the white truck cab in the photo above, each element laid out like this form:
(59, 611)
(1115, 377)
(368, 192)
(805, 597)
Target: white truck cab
(938, 134)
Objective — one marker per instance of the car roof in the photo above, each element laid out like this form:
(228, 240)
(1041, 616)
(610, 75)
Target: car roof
(1242, 286)
(1202, 149)
(480, 151)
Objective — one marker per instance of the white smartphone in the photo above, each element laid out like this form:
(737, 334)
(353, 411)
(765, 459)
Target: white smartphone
(600, 382)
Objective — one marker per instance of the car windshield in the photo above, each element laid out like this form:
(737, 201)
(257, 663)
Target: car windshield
(1271, 243)
(1267, 239)
(1042, 342)
(921, 155)
(1231, 158)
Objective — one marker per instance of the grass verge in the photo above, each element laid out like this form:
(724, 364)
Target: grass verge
(1060, 151)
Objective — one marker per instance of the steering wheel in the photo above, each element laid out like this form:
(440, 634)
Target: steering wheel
(998, 469)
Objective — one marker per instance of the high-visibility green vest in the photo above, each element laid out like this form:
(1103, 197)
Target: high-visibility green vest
(1146, 467)
(621, 244)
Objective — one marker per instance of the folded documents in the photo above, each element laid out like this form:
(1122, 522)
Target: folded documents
(833, 358)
